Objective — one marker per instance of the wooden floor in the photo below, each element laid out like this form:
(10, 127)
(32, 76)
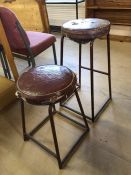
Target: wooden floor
(107, 148)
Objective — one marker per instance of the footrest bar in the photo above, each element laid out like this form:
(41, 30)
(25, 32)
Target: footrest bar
(72, 120)
(73, 110)
(102, 108)
(88, 117)
(42, 146)
(98, 71)
(73, 149)
(39, 126)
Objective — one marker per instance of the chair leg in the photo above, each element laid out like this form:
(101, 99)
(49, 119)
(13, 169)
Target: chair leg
(29, 62)
(54, 53)
(76, 9)
(109, 65)
(80, 64)
(33, 62)
(51, 107)
(92, 80)
(61, 50)
(5, 64)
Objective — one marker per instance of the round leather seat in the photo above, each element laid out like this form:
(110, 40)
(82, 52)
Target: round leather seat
(46, 84)
(85, 30)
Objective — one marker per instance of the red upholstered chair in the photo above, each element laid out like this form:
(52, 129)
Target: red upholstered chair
(25, 44)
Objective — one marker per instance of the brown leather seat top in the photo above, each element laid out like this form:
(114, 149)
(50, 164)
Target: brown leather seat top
(85, 29)
(46, 84)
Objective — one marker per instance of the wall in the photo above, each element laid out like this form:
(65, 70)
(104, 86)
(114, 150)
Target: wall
(117, 11)
(28, 13)
(60, 13)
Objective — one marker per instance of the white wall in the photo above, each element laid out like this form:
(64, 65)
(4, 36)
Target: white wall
(60, 13)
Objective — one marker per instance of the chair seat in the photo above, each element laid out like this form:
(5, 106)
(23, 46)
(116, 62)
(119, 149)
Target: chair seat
(46, 84)
(85, 30)
(38, 43)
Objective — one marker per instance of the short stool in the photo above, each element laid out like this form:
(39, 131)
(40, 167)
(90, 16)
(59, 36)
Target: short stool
(48, 85)
(85, 31)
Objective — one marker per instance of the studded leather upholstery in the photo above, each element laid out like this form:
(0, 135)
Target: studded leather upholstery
(46, 84)
(85, 30)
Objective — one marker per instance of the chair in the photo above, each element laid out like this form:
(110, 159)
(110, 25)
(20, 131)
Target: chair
(48, 85)
(25, 44)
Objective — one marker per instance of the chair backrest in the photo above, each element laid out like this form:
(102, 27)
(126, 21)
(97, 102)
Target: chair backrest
(5, 44)
(9, 21)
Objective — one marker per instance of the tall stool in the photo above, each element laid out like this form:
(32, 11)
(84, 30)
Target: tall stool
(48, 85)
(85, 31)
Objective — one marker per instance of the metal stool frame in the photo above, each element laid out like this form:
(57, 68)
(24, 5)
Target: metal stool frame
(93, 116)
(52, 111)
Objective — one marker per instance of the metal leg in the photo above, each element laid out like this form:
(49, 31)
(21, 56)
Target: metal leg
(5, 64)
(54, 108)
(33, 62)
(76, 9)
(54, 135)
(81, 108)
(80, 64)
(109, 65)
(29, 62)
(54, 53)
(61, 50)
(61, 54)
(23, 120)
(92, 80)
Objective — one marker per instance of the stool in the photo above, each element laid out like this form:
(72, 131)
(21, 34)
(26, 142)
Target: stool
(48, 85)
(85, 31)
